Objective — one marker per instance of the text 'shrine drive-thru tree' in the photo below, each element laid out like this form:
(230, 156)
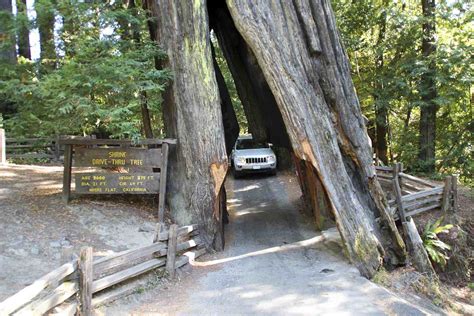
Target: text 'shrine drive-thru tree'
(292, 52)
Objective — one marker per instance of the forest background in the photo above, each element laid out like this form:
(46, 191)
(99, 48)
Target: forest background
(91, 67)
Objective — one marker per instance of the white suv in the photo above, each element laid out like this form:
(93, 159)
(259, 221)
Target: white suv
(251, 156)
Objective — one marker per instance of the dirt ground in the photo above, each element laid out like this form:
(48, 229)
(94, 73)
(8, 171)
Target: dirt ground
(35, 224)
(274, 262)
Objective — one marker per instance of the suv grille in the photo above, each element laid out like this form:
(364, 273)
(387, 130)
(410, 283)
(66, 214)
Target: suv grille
(256, 160)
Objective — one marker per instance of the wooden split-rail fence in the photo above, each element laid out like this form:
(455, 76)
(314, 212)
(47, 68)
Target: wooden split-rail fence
(49, 148)
(408, 196)
(86, 281)
(415, 195)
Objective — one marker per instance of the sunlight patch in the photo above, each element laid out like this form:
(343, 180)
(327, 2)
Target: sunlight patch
(248, 188)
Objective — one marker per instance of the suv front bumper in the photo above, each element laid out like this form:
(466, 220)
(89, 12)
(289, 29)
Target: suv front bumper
(255, 167)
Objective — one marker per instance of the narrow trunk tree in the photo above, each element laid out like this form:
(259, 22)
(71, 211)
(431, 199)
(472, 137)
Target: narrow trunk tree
(297, 47)
(23, 31)
(70, 25)
(7, 50)
(134, 28)
(428, 90)
(381, 106)
(7, 41)
(45, 19)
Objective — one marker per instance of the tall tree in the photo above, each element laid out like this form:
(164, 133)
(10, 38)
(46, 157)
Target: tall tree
(23, 30)
(136, 35)
(7, 52)
(428, 90)
(308, 74)
(45, 18)
(380, 102)
(7, 40)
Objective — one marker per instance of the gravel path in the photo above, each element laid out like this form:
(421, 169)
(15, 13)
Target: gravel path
(274, 263)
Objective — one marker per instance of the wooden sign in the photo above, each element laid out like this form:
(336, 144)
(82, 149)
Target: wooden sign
(118, 183)
(117, 157)
(117, 153)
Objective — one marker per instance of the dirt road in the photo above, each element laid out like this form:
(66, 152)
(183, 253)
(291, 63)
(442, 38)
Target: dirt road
(274, 263)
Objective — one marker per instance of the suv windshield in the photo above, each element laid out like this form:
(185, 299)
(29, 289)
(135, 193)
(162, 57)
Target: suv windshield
(250, 144)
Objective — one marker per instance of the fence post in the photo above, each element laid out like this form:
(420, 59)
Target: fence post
(398, 197)
(85, 280)
(67, 172)
(397, 168)
(454, 187)
(445, 203)
(57, 153)
(3, 147)
(171, 254)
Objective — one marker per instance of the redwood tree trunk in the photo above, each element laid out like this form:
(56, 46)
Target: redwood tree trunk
(7, 43)
(192, 115)
(45, 20)
(428, 89)
(296, 45)
(23, 32)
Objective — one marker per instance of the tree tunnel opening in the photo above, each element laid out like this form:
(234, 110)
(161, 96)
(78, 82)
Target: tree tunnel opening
(240, 76)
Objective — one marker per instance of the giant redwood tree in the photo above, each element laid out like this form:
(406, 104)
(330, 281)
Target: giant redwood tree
(288, 62)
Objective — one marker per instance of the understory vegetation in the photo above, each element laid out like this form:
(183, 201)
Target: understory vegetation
(96, 79)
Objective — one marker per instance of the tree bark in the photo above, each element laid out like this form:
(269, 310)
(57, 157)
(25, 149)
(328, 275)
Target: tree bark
(264, 120)
(7, 50)
(45, 18)
(23, 32)
(296, 46)
(7, 42)
(428, 90)
(192, 115)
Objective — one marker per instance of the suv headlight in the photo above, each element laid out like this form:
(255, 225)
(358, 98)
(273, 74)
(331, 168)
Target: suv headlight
(271, 158)
(240, 160)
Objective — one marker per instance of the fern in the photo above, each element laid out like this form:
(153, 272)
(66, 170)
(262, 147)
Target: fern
(436, 248)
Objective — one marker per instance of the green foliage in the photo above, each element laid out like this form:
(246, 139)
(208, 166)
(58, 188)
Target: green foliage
(99, 81)
(436, 248)
(375, 30)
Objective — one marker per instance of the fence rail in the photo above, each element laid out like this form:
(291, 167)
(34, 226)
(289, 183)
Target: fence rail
(37, 148)
(417, 195)
(91, 279)
(409, 196)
